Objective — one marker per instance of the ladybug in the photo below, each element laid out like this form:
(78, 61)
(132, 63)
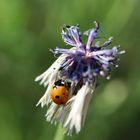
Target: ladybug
(59, 92)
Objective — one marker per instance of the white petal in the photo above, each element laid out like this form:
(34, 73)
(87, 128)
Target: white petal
(55, 66)
(45, 98)
(87, 100)
(51, 111)
(78, 108)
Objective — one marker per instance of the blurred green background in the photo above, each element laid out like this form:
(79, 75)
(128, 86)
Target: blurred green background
(28, 28)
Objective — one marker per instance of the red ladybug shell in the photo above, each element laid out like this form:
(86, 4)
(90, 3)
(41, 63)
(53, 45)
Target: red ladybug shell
(59, 93)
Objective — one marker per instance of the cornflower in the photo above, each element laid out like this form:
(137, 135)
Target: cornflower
(80, 66)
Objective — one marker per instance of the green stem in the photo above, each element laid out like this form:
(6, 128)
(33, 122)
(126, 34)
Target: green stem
(59, 135)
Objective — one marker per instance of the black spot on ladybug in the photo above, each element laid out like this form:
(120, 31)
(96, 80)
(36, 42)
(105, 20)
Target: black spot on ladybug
(57, 96)
(62, 102)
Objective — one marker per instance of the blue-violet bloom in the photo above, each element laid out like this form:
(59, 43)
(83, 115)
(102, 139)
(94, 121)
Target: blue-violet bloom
(79, 65)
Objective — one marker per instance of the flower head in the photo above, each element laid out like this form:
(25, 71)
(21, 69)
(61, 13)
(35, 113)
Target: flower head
(80, 66)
